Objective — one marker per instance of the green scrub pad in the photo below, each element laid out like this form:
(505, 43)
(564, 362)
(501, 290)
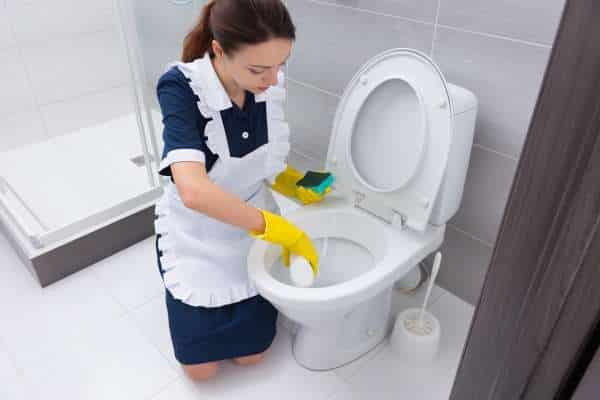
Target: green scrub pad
(316, 181)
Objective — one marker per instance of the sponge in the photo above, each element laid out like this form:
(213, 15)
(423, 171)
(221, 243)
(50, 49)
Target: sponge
(316, 181)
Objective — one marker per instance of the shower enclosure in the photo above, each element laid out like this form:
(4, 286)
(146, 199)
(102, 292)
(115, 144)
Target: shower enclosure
(80, 128)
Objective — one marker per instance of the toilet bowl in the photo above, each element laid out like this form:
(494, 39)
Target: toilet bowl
(399, 150)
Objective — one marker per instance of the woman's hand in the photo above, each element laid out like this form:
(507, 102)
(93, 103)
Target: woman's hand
(293, 240)
(286, 184)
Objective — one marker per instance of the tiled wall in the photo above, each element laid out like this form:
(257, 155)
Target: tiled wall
(63, 68)
(497, 49)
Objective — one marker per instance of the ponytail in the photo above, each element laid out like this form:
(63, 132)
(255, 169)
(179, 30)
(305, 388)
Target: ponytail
(198, 41)
(236, 23)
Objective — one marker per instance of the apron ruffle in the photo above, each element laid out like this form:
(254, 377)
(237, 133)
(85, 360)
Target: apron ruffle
(179, 265)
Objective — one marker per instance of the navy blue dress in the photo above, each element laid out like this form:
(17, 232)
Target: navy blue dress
(201, 334)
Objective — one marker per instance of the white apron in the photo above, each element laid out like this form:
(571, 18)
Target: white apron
(204, 259)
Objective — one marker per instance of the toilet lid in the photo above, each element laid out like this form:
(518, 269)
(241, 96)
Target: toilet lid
(391, 136)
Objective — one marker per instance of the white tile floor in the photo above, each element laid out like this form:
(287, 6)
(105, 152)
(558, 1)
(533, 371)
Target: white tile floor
(102, 334)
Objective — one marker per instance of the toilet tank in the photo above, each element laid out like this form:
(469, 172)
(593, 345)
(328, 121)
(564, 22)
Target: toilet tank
(448, 200)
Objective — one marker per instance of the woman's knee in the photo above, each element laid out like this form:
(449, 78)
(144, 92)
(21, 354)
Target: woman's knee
(201, 372)
(249, 360)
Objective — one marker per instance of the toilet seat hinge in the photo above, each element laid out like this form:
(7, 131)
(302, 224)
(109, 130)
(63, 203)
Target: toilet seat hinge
(391, 216)
(358, 198)
(398, 219)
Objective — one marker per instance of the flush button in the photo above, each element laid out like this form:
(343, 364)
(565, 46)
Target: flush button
(245, 135)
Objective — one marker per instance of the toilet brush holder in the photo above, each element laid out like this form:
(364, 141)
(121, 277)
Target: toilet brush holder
(414, 342)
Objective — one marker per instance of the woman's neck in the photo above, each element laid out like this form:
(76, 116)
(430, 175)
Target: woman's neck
(232, 89)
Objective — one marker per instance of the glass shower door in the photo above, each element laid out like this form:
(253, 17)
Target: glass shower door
(78, 148)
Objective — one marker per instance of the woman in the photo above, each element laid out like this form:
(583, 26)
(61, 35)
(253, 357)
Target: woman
(224, 134)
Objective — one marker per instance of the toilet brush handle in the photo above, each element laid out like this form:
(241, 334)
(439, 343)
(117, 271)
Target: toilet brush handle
(434, 271)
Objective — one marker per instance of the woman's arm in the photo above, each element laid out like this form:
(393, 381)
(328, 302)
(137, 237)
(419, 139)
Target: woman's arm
(199, 193)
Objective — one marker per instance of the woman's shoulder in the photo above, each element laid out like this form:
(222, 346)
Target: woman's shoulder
(173, 80)
(173, 74)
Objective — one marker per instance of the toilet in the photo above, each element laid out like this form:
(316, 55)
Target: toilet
(399, 151)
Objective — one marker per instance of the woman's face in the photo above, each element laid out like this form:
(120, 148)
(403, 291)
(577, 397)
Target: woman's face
(255, 67)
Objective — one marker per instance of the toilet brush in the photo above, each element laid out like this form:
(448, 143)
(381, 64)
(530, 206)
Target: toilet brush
(434, 271)
(416, 332)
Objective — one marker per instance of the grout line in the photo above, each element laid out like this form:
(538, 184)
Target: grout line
(23, 64)
(58, 37)
(119, 85)
(324, 3)
(435, 26)
(495, 36)
(496, 152)
(471, 236)
(164, 388)
(318, 89)
(105, 288)
(439, 296)
(302, 154)
(4, 349)
(38, 106)
(137, 325)
(147, 301)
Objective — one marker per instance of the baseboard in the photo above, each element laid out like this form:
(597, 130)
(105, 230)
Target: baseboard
(93, 247)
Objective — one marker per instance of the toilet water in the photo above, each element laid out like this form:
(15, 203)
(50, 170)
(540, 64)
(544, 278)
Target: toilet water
(339, 261)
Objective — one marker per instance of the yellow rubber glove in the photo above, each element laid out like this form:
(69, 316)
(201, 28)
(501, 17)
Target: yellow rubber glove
(307, 196)
(280, 231)
(285, 183)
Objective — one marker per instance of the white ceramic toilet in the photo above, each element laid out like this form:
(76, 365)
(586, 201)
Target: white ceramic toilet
(399, 152)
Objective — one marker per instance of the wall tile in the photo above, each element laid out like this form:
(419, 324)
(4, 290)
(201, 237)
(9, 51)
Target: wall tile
(333, 42)
(488, 184)
(71, 115)
(16, 94)
(310, 114)
(39, 21)
(76, 66)
(161, 46)
(531, 20)
(464, 264)
(505, 76)
(6, 36)
(302, 162)
(21, 129)
(424, 10)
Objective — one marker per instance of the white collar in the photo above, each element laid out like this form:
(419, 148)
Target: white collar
(202, 73)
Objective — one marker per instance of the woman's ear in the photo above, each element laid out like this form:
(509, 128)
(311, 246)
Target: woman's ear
(216, 48)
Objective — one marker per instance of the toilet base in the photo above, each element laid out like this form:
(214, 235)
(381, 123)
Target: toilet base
(329, 346)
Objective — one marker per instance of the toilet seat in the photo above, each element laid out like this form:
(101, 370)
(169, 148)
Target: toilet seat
(391, 137)
(390, 262)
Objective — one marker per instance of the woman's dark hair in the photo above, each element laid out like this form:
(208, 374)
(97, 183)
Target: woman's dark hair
(234, 23)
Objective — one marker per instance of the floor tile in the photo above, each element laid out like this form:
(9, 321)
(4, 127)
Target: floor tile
(152, 321)
(346, 393)
(181, 389)
(131, 275)
(278, 374)
(388, 376)
(114, 362)
(36, 321)
(12, 383)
